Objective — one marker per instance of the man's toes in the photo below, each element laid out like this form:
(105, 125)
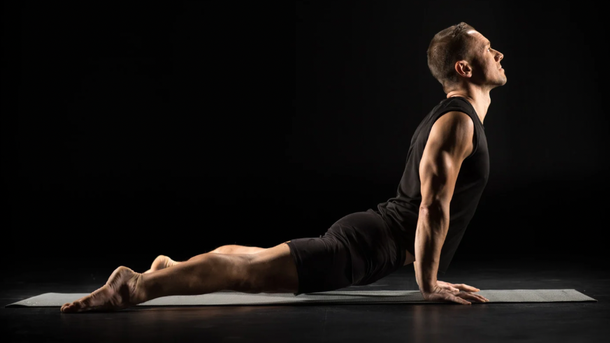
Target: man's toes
(76, 306)
(93, 301)
(65, 308)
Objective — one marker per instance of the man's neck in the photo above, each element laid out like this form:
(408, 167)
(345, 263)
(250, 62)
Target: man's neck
(480, 99)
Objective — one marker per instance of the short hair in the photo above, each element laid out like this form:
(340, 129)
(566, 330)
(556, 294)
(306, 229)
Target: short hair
(447, 47)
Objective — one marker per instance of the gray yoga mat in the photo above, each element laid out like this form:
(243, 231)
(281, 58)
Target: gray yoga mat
(334, 297)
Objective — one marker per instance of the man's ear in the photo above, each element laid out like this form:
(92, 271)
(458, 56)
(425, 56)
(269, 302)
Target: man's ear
(463, 68)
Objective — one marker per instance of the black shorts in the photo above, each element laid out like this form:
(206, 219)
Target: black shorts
(358, 249)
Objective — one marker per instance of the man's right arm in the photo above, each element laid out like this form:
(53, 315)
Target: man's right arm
(449, 143)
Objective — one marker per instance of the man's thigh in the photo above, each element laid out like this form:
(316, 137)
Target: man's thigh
(273, 270)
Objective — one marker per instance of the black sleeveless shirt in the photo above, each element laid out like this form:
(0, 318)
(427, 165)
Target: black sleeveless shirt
(400, 212)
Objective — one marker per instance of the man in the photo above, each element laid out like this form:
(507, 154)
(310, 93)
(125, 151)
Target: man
(446, 171)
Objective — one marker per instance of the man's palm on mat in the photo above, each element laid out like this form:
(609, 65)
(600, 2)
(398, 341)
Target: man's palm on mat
(458, 293)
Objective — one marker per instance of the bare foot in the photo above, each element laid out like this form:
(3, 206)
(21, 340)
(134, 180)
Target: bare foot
(161, 262)
(120, 291)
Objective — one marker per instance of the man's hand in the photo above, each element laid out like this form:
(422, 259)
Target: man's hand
(458, 293)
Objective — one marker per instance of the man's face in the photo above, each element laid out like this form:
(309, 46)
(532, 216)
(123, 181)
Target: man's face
(486, 62)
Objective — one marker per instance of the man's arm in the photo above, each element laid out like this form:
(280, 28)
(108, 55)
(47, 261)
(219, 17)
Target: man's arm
(449, 143)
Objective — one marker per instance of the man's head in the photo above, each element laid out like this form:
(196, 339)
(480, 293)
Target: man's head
(460, 54)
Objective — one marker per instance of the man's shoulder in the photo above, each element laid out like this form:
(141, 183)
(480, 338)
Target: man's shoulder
(454, 120)
(453, 130)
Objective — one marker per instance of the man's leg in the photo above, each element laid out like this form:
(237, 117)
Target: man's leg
(162, 261)
(271, 270)
(237, 249)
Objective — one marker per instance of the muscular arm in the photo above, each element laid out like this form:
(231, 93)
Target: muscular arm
(449, 143)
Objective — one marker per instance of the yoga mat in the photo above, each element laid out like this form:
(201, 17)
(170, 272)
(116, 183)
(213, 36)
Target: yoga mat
(333, 297)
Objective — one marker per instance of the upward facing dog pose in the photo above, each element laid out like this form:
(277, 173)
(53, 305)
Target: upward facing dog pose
(446, 171)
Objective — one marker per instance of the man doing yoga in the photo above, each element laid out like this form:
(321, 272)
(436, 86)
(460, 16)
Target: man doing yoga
(446, 171)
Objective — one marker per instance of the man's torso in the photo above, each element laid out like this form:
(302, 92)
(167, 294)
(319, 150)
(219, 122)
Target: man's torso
(401, 212)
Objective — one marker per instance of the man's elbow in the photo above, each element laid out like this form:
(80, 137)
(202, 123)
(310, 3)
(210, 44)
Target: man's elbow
(434, 208)
(435, 213)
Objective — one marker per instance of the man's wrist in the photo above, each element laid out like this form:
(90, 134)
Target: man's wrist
(427, 288)
(424, 278)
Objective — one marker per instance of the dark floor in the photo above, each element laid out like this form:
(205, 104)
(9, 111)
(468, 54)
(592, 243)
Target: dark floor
(527, 322)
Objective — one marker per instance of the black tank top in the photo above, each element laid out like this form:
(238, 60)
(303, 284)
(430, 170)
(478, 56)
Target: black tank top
(401, 211)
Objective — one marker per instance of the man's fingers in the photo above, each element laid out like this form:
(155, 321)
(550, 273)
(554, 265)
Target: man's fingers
(460, 286)
(467, 288)
(482, 298)
(457, 293)
(458, 300)
(451, 298)
(474, 297)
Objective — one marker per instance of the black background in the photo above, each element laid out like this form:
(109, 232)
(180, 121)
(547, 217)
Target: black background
(132, 129)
